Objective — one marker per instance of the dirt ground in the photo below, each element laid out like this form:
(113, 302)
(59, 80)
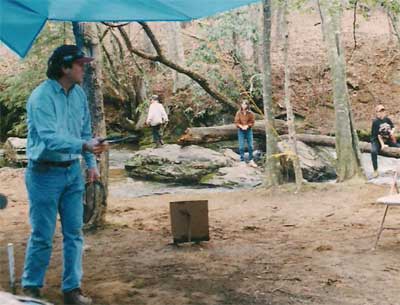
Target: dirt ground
(267, 247)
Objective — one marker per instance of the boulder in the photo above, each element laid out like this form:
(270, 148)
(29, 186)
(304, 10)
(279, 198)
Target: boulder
(239, 175)
(15, 151)
(229, 153)
(176, 164)
(198, 165)
(317, 163)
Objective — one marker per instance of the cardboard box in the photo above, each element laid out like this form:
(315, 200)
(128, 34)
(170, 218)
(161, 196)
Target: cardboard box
(189, 221)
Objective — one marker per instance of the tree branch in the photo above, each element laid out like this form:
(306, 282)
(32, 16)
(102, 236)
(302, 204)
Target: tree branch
(152, 37)
(355, 23)
(160, 57)
(140, 70)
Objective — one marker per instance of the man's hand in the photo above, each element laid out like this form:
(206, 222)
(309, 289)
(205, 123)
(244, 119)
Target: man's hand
(89, 145)
(95, 146)
(100, 148)
(245, 127)
(92, 175)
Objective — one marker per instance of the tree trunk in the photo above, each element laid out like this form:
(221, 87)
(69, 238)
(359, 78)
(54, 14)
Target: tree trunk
(347, 149)
(321, 140)
(87, 39)
(147, 47)
(279, 22)
(394, 22)
(273, 166)
(201, 135)
(288, 104)
(177, 54)
(256, 11)
(322, 19)
(131, 82)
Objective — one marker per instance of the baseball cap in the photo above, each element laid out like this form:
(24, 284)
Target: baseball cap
(69, 53)
(379, 108)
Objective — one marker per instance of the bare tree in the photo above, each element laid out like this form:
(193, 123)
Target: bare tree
(125, 74)
(177, 54)
(279, 21)
(162, 58)
(289, 109)
(273, 166)
(347, 148)
(87, 39)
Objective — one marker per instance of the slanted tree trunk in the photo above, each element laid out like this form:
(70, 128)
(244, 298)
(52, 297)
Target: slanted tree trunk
(177, 54)
(289, 110)
(87, 39)
(273, 166)
(347, 148)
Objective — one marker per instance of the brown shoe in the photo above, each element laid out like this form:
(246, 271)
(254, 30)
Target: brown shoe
(31, 291)
(75, 297)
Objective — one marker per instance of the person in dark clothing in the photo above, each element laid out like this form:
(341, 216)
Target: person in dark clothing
(382, 135)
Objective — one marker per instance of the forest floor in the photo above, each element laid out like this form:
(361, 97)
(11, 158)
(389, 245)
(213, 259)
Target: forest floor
(267, 247)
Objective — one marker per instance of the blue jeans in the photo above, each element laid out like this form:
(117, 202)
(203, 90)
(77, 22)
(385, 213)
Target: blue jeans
(52, 190)
(245, 135)
(375, 150)
(156, 133)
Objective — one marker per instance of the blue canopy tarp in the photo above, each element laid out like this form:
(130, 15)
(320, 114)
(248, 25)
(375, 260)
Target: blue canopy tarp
(22, 20)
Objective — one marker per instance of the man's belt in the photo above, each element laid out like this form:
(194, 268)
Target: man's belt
(56, 164)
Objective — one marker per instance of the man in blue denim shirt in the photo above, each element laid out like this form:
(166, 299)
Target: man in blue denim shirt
(59, 131)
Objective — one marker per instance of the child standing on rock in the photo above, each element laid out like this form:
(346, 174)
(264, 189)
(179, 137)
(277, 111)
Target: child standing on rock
(244, 121)
(156, 118)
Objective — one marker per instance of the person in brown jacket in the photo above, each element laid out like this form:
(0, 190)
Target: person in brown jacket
(244, 121)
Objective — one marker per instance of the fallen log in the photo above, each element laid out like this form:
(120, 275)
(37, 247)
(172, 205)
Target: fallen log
(321, 140)
(202, 135)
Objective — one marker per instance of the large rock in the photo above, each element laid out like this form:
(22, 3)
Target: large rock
(237, 176)
(317, 163)
(173, 163)
(15, 151)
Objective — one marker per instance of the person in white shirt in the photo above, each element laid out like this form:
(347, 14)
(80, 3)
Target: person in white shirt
(156, 118)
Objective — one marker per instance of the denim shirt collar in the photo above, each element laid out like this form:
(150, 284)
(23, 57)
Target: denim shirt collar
(58, 88)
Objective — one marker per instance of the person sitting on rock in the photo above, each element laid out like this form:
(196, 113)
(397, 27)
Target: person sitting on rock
(382, 135)
(244, 121)
(156, 118)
